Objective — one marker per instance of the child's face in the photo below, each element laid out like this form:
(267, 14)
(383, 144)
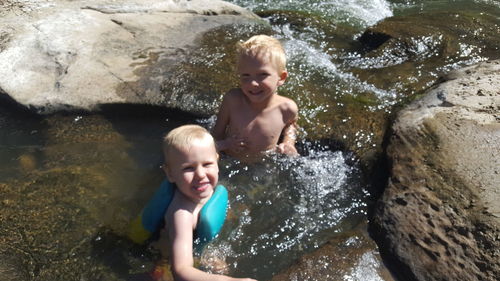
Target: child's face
(259, 78)
(194, 169)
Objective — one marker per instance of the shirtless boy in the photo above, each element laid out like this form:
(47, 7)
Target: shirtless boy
(254, 119)
(191, 164)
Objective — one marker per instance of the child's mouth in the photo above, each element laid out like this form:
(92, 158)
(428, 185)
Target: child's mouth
(255, 93)
(202, 187)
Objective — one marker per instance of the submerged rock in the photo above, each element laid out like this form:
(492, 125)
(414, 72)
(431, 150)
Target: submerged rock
(351, 256)
(439, 216)
(423, 45)
(78, 55)
(66, 202)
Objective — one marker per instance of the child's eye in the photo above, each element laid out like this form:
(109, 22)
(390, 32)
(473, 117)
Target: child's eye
(208, 164)
(244, 77)
(187, 169)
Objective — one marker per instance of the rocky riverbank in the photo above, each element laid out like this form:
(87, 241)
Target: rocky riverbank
(80, 55)
(439, 217)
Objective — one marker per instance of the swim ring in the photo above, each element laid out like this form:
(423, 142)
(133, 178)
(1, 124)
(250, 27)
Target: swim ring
(210, 222)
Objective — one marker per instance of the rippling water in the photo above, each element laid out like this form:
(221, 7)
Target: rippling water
(360, 12)
(280, 208)
(289, 207)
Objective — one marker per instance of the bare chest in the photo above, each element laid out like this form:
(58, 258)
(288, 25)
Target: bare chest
(261, 130)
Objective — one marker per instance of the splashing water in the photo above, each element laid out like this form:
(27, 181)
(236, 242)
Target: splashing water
(289, 207)
(365, 269)
(356, 12)
(301, 50)
(310, 62)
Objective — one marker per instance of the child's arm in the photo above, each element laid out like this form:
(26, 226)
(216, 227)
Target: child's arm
(181, 255)
(219, 130)
(289, 132)
(287, 145)
(222, 142)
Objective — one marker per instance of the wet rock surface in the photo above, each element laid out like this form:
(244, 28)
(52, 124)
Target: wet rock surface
(438, 218)
(351, 254)
(79, 55)
(399, 57)
(419, 46)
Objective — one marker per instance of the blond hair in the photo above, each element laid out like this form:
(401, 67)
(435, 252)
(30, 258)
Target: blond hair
(185, 136)
(264, 45)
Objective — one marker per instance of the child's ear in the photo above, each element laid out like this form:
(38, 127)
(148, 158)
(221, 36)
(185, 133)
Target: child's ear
(283, 76)
(167, 172)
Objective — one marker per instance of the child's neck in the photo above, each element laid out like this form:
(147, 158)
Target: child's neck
(260, 106)
(194, 204)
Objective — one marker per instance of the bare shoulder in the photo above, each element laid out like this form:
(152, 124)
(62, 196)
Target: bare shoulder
(178, 211)
(232, 99)
(234, 95)
(288, 107)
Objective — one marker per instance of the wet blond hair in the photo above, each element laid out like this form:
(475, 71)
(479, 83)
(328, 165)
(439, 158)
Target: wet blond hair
(264, 45)
(184, 137)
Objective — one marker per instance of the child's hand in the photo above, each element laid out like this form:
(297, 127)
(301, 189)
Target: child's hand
(214, 264)
(287, 149)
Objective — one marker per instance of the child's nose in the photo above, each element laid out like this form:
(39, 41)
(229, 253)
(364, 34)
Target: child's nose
(254, 82)
(200, 172)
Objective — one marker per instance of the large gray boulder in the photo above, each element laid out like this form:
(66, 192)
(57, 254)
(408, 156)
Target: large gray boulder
(439, 216)
(78, 55)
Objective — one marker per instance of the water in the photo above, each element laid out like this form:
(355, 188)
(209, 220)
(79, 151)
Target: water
(69, 184)
(288, 208)
(357, 12)
(323, 189)
(316, 55)
(81, 178)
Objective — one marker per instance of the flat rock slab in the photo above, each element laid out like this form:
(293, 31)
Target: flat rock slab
(78, 55)
(439, 217)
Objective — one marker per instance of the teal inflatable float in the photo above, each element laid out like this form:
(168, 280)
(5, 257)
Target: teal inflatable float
(210, 222)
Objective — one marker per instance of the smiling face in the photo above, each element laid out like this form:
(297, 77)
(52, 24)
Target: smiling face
(259, 77)
(194, 169)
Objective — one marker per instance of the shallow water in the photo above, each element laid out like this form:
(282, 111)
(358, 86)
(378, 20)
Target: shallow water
(90, 174)
(284, 208)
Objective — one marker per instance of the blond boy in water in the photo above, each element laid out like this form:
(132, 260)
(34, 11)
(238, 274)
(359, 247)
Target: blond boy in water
(191, 164)
(254, 119)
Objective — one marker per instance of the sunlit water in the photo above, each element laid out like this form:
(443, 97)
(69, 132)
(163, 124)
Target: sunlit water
(361, 12)
(287, 207)
(284, 207)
